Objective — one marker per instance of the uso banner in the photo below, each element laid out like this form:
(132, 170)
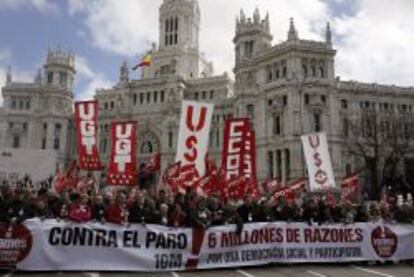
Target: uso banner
(318, 160)
(193, 136)
(86, 114)
(123, 159)
(238, 153)
(52, 245)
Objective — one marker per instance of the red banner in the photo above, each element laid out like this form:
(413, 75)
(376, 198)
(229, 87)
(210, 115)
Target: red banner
(86, 114)
(239, 149)
(123, 160)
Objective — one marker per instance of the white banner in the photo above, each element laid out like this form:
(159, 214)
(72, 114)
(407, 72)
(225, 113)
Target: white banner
(51, 245)
(194, 133)
(318, 160)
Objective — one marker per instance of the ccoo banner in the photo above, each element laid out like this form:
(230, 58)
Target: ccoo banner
(123, 160)
(238, 153)
(318, 160)
(51, 245)
(193, 136)
(86, 114)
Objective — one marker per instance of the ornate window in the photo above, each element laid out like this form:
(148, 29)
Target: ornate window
(317, 122)
(170, 139)
(146, 148)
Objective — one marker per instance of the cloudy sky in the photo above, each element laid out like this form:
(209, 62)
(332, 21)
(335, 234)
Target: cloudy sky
(374, 38)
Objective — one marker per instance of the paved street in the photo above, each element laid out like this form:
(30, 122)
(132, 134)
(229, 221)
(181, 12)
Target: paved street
(402, 270)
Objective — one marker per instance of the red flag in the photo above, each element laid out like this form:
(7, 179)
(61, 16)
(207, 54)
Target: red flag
(187, 178)
(154, 164)
(235, 188)
(85, 183)
(123, 160)
(272, 185)
(67, 180)
(171, 172)
(290, 192)
(211, 167)
(86, 114)
(330, 198)
(350, 187)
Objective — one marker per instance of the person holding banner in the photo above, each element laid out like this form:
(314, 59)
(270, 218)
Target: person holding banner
(117, 212)
(80, 211)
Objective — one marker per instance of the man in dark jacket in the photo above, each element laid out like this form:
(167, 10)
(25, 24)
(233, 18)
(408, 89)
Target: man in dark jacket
(16, 209)
(137, 211)
(246, 210)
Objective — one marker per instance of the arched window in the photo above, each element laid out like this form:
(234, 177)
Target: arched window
(313, 68)
(322, 72)
(170, 139)
(305, 70)
(317, 122)
(146, 147)
(250, 111)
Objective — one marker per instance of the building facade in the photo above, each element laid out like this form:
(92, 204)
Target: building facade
(286, 89)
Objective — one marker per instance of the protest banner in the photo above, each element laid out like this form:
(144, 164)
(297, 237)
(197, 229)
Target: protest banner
(192, 144)
(318, 161)
(86, 114)
(52, 245)
(123, 160)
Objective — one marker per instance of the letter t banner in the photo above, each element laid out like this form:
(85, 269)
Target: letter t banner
(123, 160)
(86, 114)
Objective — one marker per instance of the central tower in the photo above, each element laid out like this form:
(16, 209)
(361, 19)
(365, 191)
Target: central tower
(179, 24)
(178, 45)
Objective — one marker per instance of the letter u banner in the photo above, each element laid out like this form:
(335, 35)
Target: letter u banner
(318, 160)
(123, 160)
(86, 114)
(194, 133)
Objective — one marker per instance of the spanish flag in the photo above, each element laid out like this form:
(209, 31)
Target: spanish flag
(146, 61)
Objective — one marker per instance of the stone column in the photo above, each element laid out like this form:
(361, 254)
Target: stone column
(274, 163)
(283, 166)
(50, 134)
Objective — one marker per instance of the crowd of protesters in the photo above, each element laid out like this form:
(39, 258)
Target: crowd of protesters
(126, 206)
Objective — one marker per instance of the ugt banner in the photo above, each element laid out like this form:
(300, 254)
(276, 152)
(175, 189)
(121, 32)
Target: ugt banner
(123, 160)
(193, 136)
(86, 114)
(238, 153)
(52, 245)
(318, 160)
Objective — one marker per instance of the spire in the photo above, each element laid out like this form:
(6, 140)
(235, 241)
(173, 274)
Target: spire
(38, 78)
(328, 34)
(242, 16)
(256, 16)
(9, 77)
(293, 34)
(267, 22)
(124, 73)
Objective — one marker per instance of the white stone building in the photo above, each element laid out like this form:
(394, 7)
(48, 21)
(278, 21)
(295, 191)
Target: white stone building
(287, 89)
